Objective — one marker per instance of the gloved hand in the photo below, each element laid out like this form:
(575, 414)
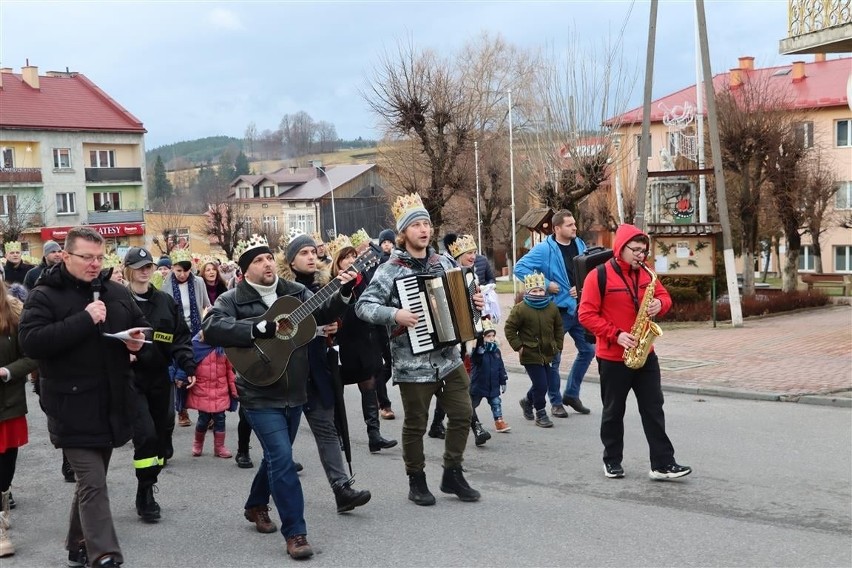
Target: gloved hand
(503, 388)
(264, 329)
(346, 288)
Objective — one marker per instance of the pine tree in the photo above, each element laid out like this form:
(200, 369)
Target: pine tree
(241, 165)
(163, 188)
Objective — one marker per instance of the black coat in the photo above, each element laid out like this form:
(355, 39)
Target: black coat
(171, 340)
(359, 342)
(85, 378)
(17, 273)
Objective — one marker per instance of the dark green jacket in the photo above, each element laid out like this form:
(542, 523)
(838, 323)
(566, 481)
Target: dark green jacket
(539, 332)
(13, 398)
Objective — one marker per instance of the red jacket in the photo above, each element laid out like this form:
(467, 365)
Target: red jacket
(608, 316)
(214, 380)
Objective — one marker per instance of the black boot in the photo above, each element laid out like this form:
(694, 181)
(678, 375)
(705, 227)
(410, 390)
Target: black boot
(243, 459)
(370, 408)
(437, 429)
(480, 435)
(348, 498)
(146, 506)
(418, 491)
(454, 482)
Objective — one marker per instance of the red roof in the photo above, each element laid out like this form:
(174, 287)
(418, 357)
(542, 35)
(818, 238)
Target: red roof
(824, 85)
(68, 102)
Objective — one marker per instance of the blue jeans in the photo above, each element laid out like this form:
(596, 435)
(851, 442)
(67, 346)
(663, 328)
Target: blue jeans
(539, 375)
(204, 419)
(276, 429)
(585, 355)
(495, 403)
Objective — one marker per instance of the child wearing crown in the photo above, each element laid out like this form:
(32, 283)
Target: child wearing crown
(488, 377)
(534, 330)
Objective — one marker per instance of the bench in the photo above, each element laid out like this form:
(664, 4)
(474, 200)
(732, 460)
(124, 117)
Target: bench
(840, 281)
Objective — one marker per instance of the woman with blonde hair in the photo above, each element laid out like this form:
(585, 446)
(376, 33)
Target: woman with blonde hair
(14, 368)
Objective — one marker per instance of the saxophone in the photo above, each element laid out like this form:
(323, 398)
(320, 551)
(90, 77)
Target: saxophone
(644, 330)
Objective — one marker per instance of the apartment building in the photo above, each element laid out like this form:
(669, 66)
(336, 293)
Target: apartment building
(69, 155)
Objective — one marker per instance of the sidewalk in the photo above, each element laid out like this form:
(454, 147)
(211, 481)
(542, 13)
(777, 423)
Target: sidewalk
(798, 357)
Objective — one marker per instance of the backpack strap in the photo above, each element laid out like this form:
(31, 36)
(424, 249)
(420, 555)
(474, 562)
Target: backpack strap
(601, 270)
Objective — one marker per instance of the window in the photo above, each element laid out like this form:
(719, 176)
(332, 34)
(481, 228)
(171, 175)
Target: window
(66, 203)
(843, 258)
(804, 133)
(8, 205)
(806, 258)
(102, 158)
(639, 145)
(268, 191)
(61, 158)
(270, 224)
(302, 221)
(107, 201)
(255, 192)
(248, 226)
(177, 238)
(8, 157)
(843, 133)
(843, 197)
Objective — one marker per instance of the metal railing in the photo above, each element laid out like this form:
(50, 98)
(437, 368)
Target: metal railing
(806, 16)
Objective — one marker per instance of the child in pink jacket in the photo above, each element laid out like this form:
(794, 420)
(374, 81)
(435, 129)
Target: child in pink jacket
(213, 393)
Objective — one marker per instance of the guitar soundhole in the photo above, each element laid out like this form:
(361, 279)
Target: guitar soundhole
(286, 330)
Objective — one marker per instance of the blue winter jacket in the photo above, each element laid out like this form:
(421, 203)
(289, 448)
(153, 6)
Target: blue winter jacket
(487, 374)
(545, 257)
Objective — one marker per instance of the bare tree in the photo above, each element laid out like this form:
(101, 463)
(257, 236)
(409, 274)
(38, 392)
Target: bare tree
(326, 136)
(818, 189)
(418, 95)
(753, 121)
(784, 175)
(19, 214)
(165, 226)
(225, 225)
(568, 141)
(250, 137)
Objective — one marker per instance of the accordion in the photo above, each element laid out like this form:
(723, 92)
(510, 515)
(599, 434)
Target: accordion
(444, 304)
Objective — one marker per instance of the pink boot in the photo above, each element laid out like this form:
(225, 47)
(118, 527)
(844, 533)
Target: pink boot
(219, 448)
(198, 443)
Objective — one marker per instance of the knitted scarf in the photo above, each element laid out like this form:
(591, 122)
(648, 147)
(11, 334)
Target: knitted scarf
(537, 302)
(194, 314)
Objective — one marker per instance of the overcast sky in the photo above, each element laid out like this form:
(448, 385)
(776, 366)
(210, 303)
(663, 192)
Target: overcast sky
(194, 69)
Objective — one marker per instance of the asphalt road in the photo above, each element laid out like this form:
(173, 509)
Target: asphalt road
(772, 487)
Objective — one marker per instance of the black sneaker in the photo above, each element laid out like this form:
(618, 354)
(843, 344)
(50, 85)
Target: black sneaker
(437, 430)
(613, 470)
(671, 471)
(527, 408)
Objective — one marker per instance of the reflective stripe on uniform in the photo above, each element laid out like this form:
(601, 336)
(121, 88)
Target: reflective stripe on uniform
(146, 462)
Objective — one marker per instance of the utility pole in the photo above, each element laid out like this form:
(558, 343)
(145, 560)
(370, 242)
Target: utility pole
(512, 190)
(478, 214)
(644, 145)
(721, 194)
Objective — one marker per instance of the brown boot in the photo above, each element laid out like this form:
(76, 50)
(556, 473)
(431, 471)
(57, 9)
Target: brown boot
(298, 547)
(260, 517)
(183, 418)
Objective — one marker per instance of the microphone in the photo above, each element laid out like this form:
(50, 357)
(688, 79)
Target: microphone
(96, 290)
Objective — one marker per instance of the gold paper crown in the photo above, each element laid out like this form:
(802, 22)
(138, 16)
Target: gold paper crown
(27, 259)
(317, 237)
(12, 246)
(488, 325)
(463, 244)
(534, 280)
(360, 237)
(204, 259)
(253, 242)
(180, 255)
(337, 244)
(406, 203)
(111, 260)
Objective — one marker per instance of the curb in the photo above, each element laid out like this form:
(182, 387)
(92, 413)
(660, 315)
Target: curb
(814, 399)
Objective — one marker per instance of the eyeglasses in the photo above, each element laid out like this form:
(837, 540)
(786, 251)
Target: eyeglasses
(88, 258)
(638, 251)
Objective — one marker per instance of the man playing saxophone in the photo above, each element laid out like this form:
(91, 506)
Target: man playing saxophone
(631, 297)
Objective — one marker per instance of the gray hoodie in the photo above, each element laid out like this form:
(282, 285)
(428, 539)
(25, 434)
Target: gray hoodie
(379, 304)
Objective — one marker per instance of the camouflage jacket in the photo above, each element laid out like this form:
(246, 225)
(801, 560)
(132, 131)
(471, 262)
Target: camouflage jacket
(379, 304)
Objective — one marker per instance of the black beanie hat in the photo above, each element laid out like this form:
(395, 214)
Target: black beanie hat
(387, 235)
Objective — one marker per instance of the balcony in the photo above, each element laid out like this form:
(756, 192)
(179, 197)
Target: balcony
(113, 175)
(818, 26)
(116, 216)
(20, 175)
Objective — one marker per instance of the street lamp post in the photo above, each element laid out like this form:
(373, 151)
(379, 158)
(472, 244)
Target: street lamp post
(319, 166)
(478, 215)
(512, 191)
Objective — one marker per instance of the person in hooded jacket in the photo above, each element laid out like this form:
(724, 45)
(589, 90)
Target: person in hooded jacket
(610, 317)
(52, 254)
(155, 420)
(85, 381)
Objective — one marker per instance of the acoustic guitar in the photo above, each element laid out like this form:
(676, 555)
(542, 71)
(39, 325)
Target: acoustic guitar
(266, 361)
